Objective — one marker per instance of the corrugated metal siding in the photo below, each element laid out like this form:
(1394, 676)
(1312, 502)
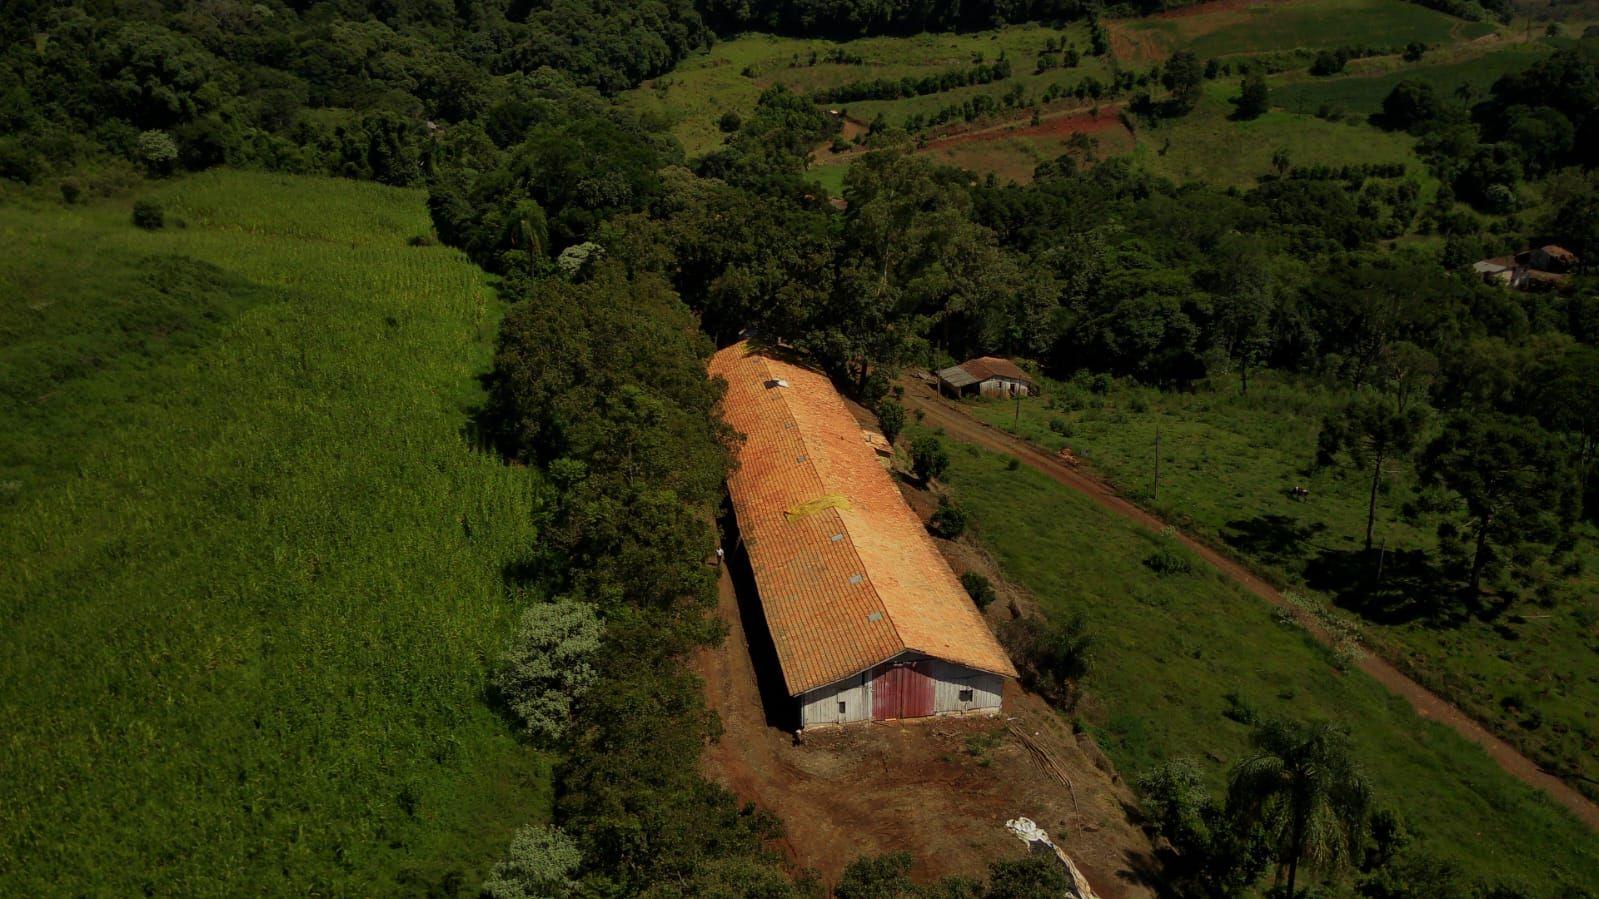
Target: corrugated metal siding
(1001, 387)
(821, 706)
(860, 693)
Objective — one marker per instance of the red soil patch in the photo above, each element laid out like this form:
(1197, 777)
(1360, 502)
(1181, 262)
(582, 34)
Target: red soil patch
(1060, 126)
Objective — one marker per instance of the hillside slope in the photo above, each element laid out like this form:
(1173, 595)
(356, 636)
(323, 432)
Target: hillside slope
(254, 568)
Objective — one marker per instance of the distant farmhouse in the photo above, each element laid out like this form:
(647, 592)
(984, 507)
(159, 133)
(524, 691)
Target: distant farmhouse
(867, 619)
(987, 376)
(1544, 268)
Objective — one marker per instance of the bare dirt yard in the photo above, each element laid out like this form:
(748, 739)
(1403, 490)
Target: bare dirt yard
(940, 789)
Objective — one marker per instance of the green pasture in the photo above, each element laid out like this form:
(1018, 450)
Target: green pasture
(1362, 92)
(1183, 662)
(1295, 24)
(253, 576)
(731, 75)
(1210, 145)
(1227, 465)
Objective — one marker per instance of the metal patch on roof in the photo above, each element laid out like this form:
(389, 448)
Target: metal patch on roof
(855, 578)
(836, 537)
(800, 458)
(875, 616)
(776, 382)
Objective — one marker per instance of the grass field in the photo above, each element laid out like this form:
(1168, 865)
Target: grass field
(253, 568)
(1227, 464)
(732, 74)
(1362, 91)
(1204, 145)
(1184, 661)
(1208, 145)
(1240, 29)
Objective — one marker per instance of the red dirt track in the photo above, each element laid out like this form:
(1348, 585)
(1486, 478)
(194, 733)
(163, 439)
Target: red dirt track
(1059, 126)
(940, 412)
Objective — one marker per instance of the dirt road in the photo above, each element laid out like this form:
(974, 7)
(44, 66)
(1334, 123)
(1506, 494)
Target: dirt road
(957, 424)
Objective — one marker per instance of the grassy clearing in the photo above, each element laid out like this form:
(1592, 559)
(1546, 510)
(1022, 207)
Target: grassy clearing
(1227, 464)
(1205, 145)
(695, 95)
(1297, 24)
(1362, 92)
(1208, 145)
(1183, 661)
(253, 572)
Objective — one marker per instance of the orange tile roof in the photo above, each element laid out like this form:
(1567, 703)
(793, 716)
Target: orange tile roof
(847, 575)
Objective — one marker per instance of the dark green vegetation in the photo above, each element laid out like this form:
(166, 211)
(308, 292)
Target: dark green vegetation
(253, 569)
(354, 641)
(1521, 663)
(1186, 664)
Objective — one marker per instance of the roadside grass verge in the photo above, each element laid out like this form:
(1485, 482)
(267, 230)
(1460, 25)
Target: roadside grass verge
(1227, 466)
(1185, 662)
(253, 577)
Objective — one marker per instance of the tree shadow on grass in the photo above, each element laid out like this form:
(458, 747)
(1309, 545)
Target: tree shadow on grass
(1275, 539)
(1410, 587)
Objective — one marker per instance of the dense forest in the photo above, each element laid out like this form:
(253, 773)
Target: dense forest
(623, 263)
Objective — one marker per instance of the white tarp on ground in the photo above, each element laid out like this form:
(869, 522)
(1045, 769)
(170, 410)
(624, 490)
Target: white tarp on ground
(1038, 841)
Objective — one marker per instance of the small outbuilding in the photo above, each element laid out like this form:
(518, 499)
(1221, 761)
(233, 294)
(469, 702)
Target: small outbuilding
(867, 620)
(986, 376)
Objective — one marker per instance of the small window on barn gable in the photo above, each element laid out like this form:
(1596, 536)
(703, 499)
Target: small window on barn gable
(966, 695)
(841, 706)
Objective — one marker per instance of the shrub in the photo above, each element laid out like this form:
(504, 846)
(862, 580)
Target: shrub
(979, 588)
(1167, 561)
(949, 521)
(149, 215)
(157, 151)
(929, 459)
(539, 865)
(547, 665)
(1062, 427)
(1055, 656)
(729, 122)
(71, 191)
(891, 418)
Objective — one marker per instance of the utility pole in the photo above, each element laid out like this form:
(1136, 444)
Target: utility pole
(1156, 497)
(1016, 423)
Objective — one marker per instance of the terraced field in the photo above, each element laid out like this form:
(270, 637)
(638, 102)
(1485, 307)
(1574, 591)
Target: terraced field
(1208, 144)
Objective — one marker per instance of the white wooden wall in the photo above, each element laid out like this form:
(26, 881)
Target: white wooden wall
(950, 681)
(820, 706)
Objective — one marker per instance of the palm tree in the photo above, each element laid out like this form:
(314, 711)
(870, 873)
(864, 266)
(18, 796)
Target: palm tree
(1303, 788)
(527, 229)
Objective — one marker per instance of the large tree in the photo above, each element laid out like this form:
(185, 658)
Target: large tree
(1375, 431)
(1301, 784)
(1513, 482)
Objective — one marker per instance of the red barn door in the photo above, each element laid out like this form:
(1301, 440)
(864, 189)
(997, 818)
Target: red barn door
(903, 691)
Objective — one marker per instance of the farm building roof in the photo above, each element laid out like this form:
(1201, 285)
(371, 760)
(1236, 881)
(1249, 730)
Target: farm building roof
(1555, 251)
(847, 575)
(974, 371)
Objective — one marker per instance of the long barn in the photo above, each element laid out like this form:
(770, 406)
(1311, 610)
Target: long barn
(867, 619)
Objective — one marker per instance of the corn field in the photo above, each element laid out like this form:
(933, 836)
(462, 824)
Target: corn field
(253, 567)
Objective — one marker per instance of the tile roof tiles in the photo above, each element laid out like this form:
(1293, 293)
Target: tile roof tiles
(847, 575)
